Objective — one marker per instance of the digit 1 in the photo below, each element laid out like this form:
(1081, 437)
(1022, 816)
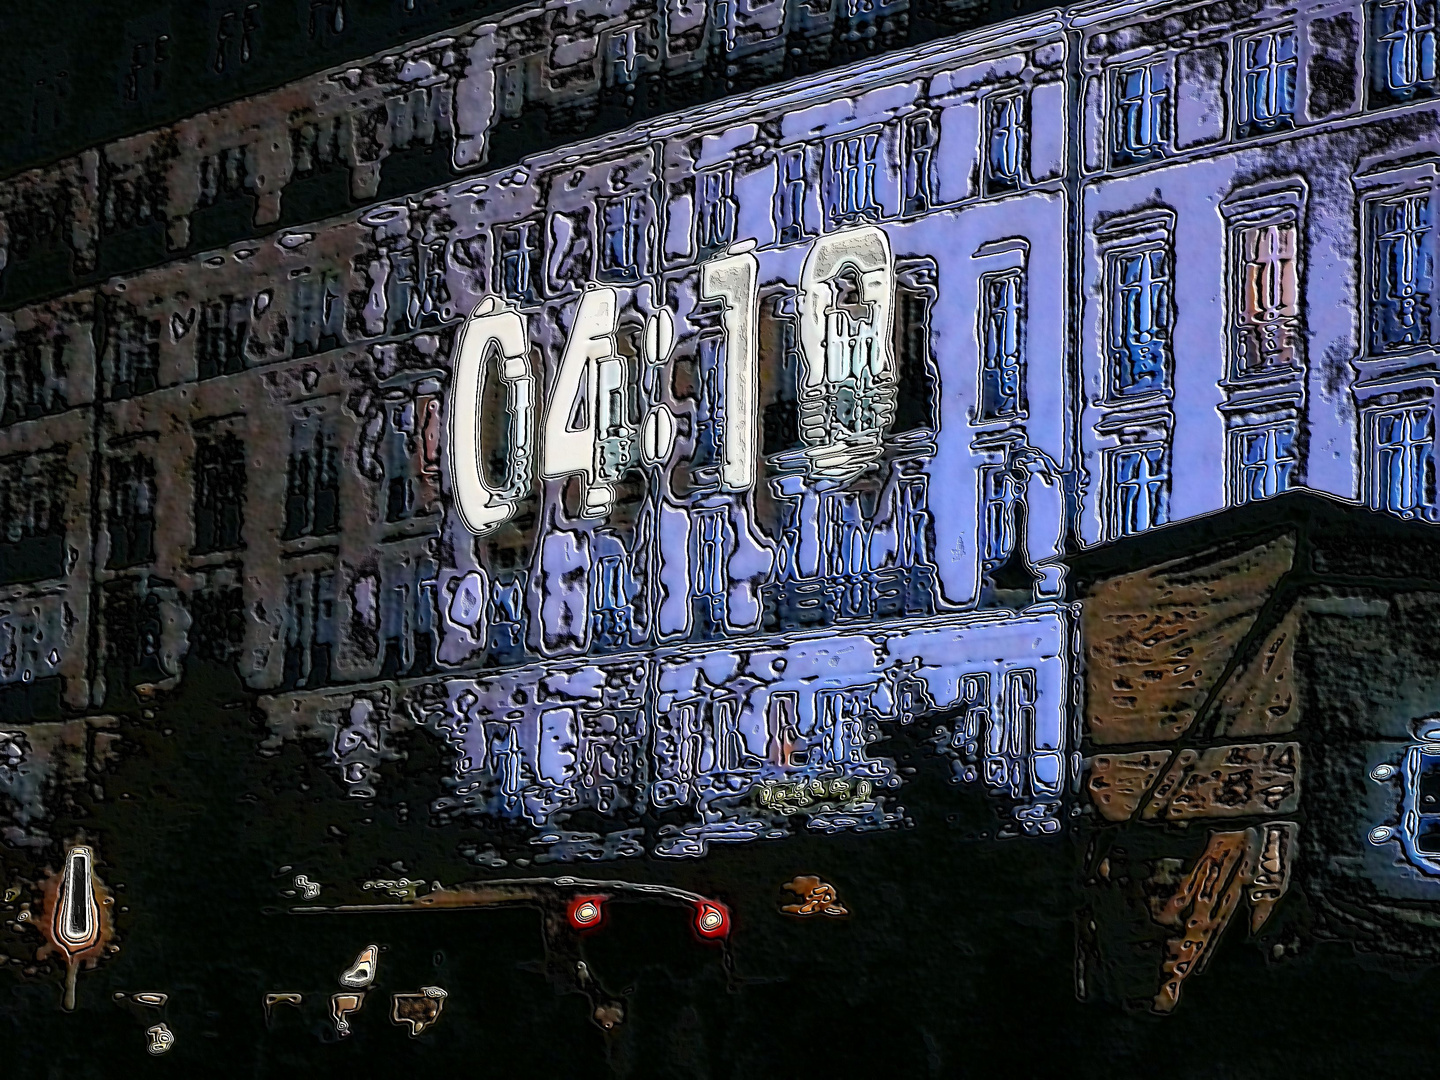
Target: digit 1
(733, 279)
(496, 333)
(847, 346)
(577, 421)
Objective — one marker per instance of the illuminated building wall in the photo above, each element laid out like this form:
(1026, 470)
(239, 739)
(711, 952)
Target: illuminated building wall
(657, 473)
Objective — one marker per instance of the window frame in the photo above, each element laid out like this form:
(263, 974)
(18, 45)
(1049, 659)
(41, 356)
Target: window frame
(530, 258)
(1238, 490)
(710, 206)
(918, 196)
(1380, 90)
(1161, 122)
(1113, 505)
(1247, 123)
(1423, 510)
(1271, 204)
(1370, 264)
(1019, 274)
(838, 187)
(1162, 329)
(996, 182)
(632, 225)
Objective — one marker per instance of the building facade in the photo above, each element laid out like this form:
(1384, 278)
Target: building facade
(657, 474)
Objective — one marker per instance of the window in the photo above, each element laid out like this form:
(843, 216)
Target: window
(920, 140)
(151, 55)
(132, 511)
(780, 373)
(1401, 271)
(623, 224)
(1265, 312)
(844, 536)
(1141, 119)
(790, 196)
(220, 340)
(1262, 461)
(1140, 489)
(416, 292)
(326, 17)
(32, 516)
(1139, 320)
(623, 51)
(315, 147)
(134, 630)
(1267, 65)
(1010, 737)
(217, 623)
(433, 282)
(709, 602)
(916, 293)
(782, 727)
(319, 314)
(312, 486)
(1004, 142)
(710, 553)
(219, 493)
(717, 210)
(912, 516)
(1402, 461)
(840, 717)
(309, 627)
(519, 260)
(405, 448)
(852, 178)
(1403, 51)
(1002, 341)
(974, 710)
(32, 376)
(999, 493)
(133, 202)
(136, 352)
(223, 176)
(610, 619)
(729, 744)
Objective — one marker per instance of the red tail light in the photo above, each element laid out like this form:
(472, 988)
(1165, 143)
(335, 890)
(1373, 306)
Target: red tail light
(586, 912)
(712, 919)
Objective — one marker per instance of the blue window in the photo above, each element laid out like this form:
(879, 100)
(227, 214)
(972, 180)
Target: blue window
(920, 139)
(1139, 320)
(624, 51)
(717, 209)
(1267, 82)
(852, 162)
(1002, 371)
(846, 548)
(1402, 267)
(999, 493)
(1263, 460)
(622, 222)
(1140, 498)
(519, 261)
(790, 197)
(610, 617)
(1402, 461)
(1141, 122)
(710, 578)
(1005, 142)
(1402, 61)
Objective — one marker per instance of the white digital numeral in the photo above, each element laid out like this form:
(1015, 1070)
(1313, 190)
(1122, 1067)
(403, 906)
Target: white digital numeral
(733, 280)
(496, 333)
(585, 427)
